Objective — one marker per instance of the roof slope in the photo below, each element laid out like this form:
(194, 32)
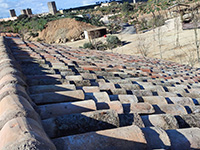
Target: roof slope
(57, 97)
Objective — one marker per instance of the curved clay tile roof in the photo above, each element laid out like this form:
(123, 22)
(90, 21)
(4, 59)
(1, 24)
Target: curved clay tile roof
(57, 97)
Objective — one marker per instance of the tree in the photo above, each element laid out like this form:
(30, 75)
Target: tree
(143, 45)
(195, 22)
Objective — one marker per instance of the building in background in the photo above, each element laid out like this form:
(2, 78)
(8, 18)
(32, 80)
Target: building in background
(12, 13)
(95, 33)
(52, 7)
(29, 11)
(23, 12)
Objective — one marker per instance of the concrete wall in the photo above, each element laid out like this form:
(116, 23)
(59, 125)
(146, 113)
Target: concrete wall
(8, 19)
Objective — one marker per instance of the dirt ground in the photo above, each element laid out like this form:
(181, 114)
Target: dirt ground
(63, 30)
(162, 41)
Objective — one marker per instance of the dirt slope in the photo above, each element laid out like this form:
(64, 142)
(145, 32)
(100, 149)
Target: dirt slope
(60, 31)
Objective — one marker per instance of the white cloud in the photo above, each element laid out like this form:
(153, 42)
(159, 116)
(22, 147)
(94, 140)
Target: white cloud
(4, 5)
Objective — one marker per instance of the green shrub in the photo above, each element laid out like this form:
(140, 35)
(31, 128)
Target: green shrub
(88, 45)
(22, 17)
(33, 34)
(113, 41)
(126, 7)
(101, 46)
(39, 40)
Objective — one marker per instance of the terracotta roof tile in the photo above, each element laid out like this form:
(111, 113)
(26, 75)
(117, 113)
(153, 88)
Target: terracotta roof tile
(94, 100)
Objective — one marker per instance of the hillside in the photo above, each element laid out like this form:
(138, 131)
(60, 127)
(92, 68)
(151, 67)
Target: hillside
(63, 30)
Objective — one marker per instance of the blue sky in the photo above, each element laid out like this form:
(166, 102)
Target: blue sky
(37, 6)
